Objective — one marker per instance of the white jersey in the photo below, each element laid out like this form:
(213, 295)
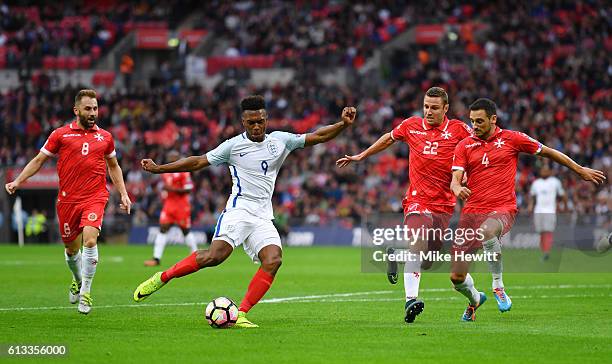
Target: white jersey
(545, 191)
(254, 167)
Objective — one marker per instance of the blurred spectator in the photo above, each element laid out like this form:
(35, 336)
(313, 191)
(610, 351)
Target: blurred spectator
(36, 227)
(127, 68)
(546, 64)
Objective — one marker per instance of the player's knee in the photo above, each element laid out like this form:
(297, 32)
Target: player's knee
(457, 277)
(490, 229)
(72, 250)
(272, 264)
(90, 242)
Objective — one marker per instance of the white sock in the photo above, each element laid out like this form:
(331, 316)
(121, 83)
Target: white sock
(191, 242)
(495, 266)
(90, 262)
(160, 245)
(467, 289)
(412, 277)
(74, 263)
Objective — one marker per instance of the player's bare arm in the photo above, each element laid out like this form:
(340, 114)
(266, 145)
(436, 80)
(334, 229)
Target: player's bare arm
(30, 169)
(460, 191)
(188, 164)
(116, 175)
(384, 142)
(329, 132)
(587, 174)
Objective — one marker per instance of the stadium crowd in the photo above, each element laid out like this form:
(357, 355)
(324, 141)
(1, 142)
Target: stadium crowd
(547, 67)
(30, 32)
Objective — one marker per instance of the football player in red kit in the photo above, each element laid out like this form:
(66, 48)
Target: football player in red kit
(84, 152)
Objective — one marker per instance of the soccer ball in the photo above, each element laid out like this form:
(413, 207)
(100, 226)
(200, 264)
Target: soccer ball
(604, 244)
(221, 313)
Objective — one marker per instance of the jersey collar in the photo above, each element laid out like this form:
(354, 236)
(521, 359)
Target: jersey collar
(75, 126)
(498, 131)
(442, 127)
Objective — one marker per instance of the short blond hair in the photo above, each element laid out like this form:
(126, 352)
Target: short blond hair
(84, 93)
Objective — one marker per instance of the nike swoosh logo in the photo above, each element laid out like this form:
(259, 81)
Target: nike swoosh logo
(143, 295)
(243, 154)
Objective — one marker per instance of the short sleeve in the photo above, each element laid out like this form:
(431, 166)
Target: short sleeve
(52, 145)
(459, 158)
(220, 154)
(466, 131)
(399, 132)
(110, 148)
(524, 143)
(291, 141)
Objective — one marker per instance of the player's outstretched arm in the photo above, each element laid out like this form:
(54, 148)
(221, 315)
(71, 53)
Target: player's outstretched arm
(116, 175)
(189, 164)
(30, 169)
(587, 174)
(381, 144)
(457, 187)
(329, 132)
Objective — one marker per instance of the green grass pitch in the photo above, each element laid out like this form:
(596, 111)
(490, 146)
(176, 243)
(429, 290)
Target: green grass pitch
(320, 309)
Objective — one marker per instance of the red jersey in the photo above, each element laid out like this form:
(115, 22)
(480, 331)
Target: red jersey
(82, 161)
(491, 168)
(431, 156)
(180, 180)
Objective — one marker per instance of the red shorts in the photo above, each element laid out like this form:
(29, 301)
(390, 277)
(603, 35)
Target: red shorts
(175, 214)
(73, 216)
(418, 215)
(469, 222)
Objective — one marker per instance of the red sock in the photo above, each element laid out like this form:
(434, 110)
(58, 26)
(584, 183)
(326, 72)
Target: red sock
(182, 268)
(546, 241)
(258, 287)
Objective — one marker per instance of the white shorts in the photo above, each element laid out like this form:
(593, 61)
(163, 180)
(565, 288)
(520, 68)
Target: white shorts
(241, 227)
(544, 222)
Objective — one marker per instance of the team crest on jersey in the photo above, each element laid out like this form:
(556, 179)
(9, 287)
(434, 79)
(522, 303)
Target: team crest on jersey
(92, 216)
(499, 142)
(272, 148)
(412, 207)
(98, 137)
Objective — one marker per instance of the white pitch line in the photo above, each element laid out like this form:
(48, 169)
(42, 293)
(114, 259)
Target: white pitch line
(451, 298)
(110, 259)
(335, 297)
(288, 299)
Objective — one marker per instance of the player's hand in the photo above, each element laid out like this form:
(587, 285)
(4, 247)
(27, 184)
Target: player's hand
(592, 175)
(149, 166)
(343, 162)
(11, 187)
(348, 115)
(461, 192)
(126, 204)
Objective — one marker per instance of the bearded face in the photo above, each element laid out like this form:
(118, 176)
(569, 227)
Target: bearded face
(87, 112)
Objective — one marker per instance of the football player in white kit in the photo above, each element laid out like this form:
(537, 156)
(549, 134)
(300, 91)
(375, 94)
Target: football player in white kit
(254, 159)
(545, 191)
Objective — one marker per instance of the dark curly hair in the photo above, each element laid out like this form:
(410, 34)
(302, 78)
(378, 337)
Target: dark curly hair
(253, 102)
